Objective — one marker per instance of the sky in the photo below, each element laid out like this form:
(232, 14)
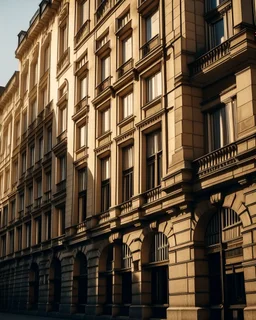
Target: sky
(14, 17)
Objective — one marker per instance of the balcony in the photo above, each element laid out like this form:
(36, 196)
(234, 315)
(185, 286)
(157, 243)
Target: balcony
(104, 6)
(81, 227)
(128, 65)
(216, 160)
(80, 108)
(103, 85)
(38, 202)
(82, 32)
(61, 186)
(103, 217)
(29, 209)
(224, 58)
(150, 45)
(47, 196)
(152, 194)
(63, 61)
(126, 207)
(62, 136)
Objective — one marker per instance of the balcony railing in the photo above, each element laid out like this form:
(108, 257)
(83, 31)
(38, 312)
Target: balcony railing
(153, 194)
(81, 227)
(61, 186)
(216, 160)
(103, 217)
(47, 196)
(38, 202)
(128, 65)
(63, 61)
(150, 45)
(82, 32)
(29, 208)
(103, 7)
(62, 136)
(126, 207)
(81, 105)
(210, 57)
(103, 85)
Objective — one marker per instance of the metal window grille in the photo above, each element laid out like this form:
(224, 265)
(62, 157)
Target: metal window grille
(159, 248)
(126, 257)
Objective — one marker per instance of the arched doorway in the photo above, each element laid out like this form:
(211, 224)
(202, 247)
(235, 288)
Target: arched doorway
(80, 282)
(115, 279)
(55, 284)
(33, 286)
(223, 242)
(155, 275)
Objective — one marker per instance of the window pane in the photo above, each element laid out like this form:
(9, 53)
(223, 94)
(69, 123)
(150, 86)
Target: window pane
(105, 121)
(105, 173)
(152, 26)
(127, 105)
(127, 49)
(105, 68)
(82, 136)
(218, 33)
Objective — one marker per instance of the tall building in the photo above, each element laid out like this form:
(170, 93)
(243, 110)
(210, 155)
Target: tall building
(128, 161)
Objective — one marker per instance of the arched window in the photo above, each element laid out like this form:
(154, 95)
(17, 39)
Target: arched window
(223, 242)
(55, 284)
(155, 272)
(80, 282)
(33, 286)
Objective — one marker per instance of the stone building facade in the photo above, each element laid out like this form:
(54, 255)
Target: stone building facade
(128, 163)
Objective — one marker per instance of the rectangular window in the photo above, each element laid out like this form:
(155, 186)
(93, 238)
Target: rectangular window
(105, 68)
(32, 155)
(38, 224)
(82, 132)
(17, 132)
(122, 21)
(62, 163)
(13, 209)
(32, 110)
(63, 39)
(19, 238)
(152, 26)
(217, 33)
(211, 4)
(154, 86)
(24, 120)
(126, 49)
(127, 104)
(11, 235)
(15, 171)
(40, 148)
(21, 203)
(154, 159)
(28, 234)
(62, 120)
(3, 245)
(221, 126)
(82, 13)
(30, 196)
(105, 120)
(48, 225)
(127, 173)
(82, 182)
(23, 162)
(82, 88)
(105, 184)
(46, 57)
(61, 221)
(49, 139)
(34, 74)
(44, 97)
(5, 216)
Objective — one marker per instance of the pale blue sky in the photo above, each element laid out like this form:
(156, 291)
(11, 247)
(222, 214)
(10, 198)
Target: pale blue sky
(14, 17)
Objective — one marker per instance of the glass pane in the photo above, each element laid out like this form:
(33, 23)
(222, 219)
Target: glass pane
(218, 33)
